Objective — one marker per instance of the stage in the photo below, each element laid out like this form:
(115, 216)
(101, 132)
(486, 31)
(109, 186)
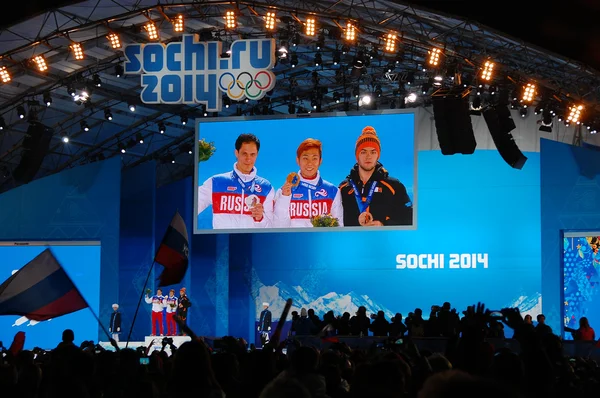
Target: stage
(155, 341)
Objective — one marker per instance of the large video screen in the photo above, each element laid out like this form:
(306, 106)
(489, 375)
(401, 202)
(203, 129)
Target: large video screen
(581, 282)
(315, 172)
(81, 261)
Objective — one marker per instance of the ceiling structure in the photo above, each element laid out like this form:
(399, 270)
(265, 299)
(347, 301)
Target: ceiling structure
(346, 68)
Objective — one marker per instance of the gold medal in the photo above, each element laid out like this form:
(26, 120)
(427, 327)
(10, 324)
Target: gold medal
(365, 218)
(294, 179)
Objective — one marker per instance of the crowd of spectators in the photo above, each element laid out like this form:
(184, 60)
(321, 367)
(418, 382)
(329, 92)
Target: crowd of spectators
(469, 366)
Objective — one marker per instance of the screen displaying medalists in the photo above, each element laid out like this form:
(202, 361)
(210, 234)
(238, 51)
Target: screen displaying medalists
(190, 71)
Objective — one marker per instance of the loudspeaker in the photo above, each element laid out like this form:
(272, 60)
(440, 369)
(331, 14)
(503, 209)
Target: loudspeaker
(35, 146)
(500, 124)
(453, 121)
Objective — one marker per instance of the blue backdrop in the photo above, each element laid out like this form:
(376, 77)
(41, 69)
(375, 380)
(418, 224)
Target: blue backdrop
(570, 199)
(82, 264)
(280, 138)
(77, 204)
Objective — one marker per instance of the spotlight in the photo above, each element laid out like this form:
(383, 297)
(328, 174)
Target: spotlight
(546, 122)
(119, 70)
(184, 119)
(140, 138)
(21, 111)
(47, 99)
(131, 107)
(161, 127)
(96, 80)
(84, 125)
(108, 114)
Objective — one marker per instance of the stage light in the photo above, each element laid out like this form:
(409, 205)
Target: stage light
(140, 138)
(114, 40)
(96, 80)
(390, 42)
(487, 72)
(2, 123)
(77, 51)
(318, 59)
(350, 34)
(575, 114)
(47, 98)
(119, 70)
(4, 75)
(65, 138)
(21, 111)
(184, 119)
(309, 27)
(546, 123)
(270, 20)
(40, 61)
(230, 20)
(528, 93)
(161, 127)
(108, 114)
(178, 23)
(152, 31)
(84, 125)
(131, 107)
(434, 57)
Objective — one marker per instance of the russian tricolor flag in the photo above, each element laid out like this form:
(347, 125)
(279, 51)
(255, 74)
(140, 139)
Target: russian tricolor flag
(173, 252)
(40, 290)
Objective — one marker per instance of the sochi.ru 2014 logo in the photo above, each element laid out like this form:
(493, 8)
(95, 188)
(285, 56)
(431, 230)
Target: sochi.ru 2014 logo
(190, 71)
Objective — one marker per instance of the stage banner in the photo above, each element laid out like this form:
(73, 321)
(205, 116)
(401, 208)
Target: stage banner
(316, 172)
(194, 72)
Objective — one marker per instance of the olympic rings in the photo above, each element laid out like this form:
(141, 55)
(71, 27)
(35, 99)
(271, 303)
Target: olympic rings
(240, 82)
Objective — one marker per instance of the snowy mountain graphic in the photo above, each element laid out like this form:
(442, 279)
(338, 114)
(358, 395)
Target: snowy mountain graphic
(277, 294)
(528, 305)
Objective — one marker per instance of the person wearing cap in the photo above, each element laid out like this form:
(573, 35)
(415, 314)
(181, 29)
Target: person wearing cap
(264, 324)
(182, 307)
(370, 197)
(312, 196)
(114, 327)
(239, 198)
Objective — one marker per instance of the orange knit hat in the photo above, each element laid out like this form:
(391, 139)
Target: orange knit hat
(368, 138)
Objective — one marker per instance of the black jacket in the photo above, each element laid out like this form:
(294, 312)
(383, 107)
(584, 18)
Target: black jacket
(264, 322)
(390, 203)
(115, 322)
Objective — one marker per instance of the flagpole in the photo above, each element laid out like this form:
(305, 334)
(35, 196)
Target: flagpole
(146, 282)
(139, 302)
(84, 299)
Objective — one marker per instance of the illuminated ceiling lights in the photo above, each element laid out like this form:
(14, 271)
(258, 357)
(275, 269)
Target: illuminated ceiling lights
(230, 20)
(350, 34)
(40, 61)
(4, 75)
(114, 40)
(390, 42)
(152, 31)
(77, 51)
(575, 114)
(434, 57)
(487, 72)
(270, 20)
(178, 23)
(309, 27)
(528, 93)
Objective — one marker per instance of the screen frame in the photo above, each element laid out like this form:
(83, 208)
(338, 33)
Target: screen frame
(415, 199)
(568, 233)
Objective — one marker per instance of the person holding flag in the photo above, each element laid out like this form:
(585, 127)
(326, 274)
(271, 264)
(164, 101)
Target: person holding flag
(239, 198)
(158, 306)
(370, 196)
